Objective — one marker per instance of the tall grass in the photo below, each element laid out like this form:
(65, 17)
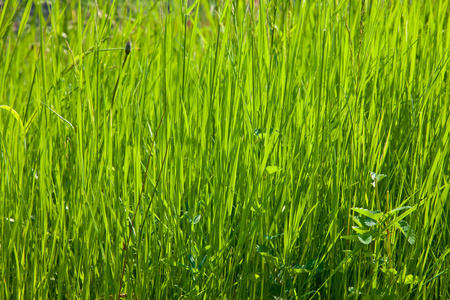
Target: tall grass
(273, 116)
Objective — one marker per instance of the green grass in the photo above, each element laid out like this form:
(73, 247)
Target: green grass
(272, 117)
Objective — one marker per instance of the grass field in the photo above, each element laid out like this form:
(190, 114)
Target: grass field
(233, 150)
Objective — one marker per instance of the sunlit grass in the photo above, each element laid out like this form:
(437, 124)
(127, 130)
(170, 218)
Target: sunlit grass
(273, 116)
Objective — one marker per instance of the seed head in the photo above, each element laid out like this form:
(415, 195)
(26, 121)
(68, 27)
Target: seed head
(128, 48)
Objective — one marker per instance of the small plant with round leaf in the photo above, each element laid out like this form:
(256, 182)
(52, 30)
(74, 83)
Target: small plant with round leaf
(377, 227)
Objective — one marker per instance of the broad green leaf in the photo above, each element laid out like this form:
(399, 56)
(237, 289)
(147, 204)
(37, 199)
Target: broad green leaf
(369, 222)
(357, 221)
(196, 219)
(401, 217)
(359, 230)
(409, 279)
(375, 215)
(364, 221)
(390, 271)
(407, 231)
(366, 239)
